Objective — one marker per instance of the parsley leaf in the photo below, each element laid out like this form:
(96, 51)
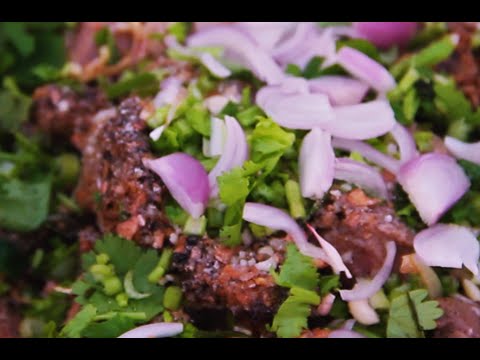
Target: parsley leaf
(111, 328)
(427, 311)
(292, 315)
(298, 270)
(74, 327)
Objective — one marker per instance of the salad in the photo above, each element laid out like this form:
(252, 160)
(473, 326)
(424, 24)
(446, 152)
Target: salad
(174, 179)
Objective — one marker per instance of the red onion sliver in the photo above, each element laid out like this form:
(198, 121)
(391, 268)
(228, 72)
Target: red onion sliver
(157, 330)
(406, 143)
(434, 183)
(362, 175)
(368, 152)
(363, 312)
(386, 34)
(362, 121)
(242, 48)
(340, 90)
(234, 153)
(462, 150)
(345, 334)
(218, 135)
(364, 68)
(287, 47)
(214, 66)
(266, 34)
(326, 304)
(448, 246)
(277, 219)
(349, 324)
(365, 289)
(295, 111)
(186, 180)
(316, 164)
(170, 89)
(334, 258)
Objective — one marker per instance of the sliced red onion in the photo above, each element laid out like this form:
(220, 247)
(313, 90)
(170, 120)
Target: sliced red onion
(216, 103)
(364, 68)
(345, 334)
(434, 183)
(294, 85)
(241, 48)
(186, 180)
(293, 42)
(449, 246)
(340, 90)
(266, 34)
(326, 304)
(218, 135)
(363, 312)
(362, 121)
(367, 288)
(277, 219)
(406, 143)
(234, 154)
(349, 324)
(169, 90)
(295, 111)
(316, 164)
(362, 175)
(386, 34)
(214, 66)
(156, 133)
(462, 150)
(157, 330)
(334, 258)
(368, 152)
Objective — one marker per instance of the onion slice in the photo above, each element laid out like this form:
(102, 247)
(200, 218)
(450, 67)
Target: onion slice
(434, 183)
(240, 47)
(363, 312)
(340, 90)
(334, 258)
(367, 288)
(234, 154)
(157, 330)
(186, 180)
(362, 121)
(386, 34)
(277, 219)
(368, 152)
(169, 91)
(214, 66)
(366, 69)
(345, 334)
(266, 34)
(295, 111)
(406, 143)
(462, 150)
(362, 175)
(316, 164)
(449, 246)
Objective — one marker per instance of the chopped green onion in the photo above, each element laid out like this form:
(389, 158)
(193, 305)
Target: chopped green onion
(101, 271)
(122, 299)
(162, 266)
(102, 259)
(195, 226)
(130, 289)
(172, 298)
(159, 117)
(68, 168)
(167, 317)
(294, 199)
(112, 285)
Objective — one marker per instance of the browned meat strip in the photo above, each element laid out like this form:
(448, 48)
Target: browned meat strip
(126, 197)
(60, 112)
(9, 320)
(358, 227)
(463, 64)
(460, 320)
(217, 277)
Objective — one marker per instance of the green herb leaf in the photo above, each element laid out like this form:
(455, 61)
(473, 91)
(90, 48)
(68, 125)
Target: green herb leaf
(74, 327)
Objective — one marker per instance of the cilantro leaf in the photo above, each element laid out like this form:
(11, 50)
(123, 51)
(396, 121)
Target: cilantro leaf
(427, 311)
(298, 270)
(144, 84)
(292, 316)
(74, 327)
(123, 254)
(452, 101)
(233, 186)
(111, 328)
(24, 204)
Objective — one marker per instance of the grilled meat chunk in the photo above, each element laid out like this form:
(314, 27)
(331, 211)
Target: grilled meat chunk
(461, 318)
(358, 227)
(126, 197)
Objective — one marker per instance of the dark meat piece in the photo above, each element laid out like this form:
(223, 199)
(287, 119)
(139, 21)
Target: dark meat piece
(464, 65)
(461, 318)
(358, 227)
(217, 277)
(126, 197)
(9, 320)
(60, 112)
